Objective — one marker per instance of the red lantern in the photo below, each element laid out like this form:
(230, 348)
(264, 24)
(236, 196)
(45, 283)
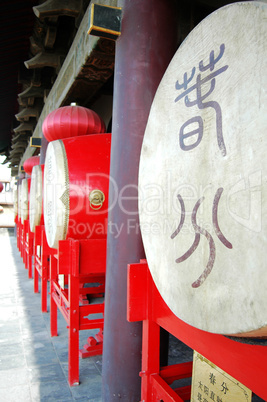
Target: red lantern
(72, 121)
(1, 187)
(30, 163)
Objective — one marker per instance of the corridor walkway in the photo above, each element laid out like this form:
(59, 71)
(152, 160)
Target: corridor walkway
(34, 366)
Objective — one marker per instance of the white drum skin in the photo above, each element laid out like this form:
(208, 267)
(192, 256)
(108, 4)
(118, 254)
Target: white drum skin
(203, 175)
(15, 200)
(56, 212)
(74, 167)
(19, 198)
(36, 197)
(24, 199)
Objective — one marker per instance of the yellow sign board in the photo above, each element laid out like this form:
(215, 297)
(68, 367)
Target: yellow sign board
(210, 383)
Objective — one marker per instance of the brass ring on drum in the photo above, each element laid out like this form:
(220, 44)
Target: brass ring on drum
(96, 198)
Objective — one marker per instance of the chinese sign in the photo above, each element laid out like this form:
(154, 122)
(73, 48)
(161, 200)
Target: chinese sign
(210, 383)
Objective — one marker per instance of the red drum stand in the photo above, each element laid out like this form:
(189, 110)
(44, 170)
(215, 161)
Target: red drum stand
(83, 264)
(17, 223)
(19, 234)
(20, 237)
(28, 242)
(247, 363)
(23, 243)
(42, 253)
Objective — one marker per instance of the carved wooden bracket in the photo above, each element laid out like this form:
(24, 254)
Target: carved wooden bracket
(52, 8)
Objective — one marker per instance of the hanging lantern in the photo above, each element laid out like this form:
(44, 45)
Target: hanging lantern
(76, 185)
(1, 187)
(72, 121)
(36, 197)
(30, 163)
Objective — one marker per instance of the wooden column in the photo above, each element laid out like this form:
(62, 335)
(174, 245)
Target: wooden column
(143, 51)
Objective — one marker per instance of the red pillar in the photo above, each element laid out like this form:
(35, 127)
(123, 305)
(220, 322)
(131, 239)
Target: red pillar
(146, 45)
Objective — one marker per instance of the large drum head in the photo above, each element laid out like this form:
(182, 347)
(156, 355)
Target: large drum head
(15, 200)
(19, 200)
(203, 175)
(56, 193)
(24, 200)
(36, 193)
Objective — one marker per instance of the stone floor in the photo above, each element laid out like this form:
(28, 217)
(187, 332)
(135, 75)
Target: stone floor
(6, 216)
(33, 365)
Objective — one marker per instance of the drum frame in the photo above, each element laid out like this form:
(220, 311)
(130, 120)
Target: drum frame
(42, 253)
(28, 247)
(81, 262)
(244, 362)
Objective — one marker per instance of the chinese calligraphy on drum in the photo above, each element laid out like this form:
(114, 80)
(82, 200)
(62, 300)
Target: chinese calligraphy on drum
(200, 97)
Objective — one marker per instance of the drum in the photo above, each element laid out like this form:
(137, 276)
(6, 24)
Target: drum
(203, 175)
(24, 199)
(19, 198)
(36, 197)
(76, 184)
(15, 200)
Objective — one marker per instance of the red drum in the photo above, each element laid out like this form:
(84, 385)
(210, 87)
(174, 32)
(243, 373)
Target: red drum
(76, 185)
(24, 199)
(36, 197)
